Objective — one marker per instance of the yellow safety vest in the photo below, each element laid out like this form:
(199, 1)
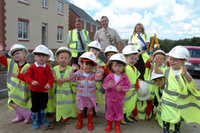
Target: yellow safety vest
(51, 100)
(134, 42)
(141, 109)
(99, 88)
(18, 90)
(74, 41)
(147, 78)
(65, 97)
(177, 101)
(131, 95)
(159, 110)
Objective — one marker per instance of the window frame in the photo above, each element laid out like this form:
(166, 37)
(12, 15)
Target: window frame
(43, 3)
(91, 27)
(24, 29)
(61, 10)
(59, 33)
(85, 25)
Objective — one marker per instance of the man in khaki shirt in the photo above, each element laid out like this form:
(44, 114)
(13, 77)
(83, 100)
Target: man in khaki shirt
(107, 36)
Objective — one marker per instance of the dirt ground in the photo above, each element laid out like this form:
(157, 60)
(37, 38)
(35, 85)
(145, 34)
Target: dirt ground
(99, 123)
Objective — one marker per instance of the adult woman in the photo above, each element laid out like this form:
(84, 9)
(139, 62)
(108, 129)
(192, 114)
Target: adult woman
(141, 42)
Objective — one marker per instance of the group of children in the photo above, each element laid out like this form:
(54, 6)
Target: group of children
(170, 88)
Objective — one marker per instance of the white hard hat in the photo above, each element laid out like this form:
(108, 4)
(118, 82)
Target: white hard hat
(63, 49)
(179, 52)
(159, 52)
(51, 58)
(41, 49)
(17, 47)
(118, 57)
(143, 91)
(111, 48)
(94, 44)
(88, 55)
(129, 49)
(155, 46)
(155, 75)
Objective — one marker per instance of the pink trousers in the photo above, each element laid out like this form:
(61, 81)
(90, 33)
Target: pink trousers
(114, 110)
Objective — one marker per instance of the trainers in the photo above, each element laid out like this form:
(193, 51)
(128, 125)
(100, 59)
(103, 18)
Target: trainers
(64, 120)
(128, 119)
(123, 122)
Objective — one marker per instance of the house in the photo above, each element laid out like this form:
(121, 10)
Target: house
(88, 23)
(34, 22)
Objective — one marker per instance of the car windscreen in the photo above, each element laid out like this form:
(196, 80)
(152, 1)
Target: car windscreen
(194, 53)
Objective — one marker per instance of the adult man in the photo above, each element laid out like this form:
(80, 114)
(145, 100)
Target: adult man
(77, 41)
(107, 36)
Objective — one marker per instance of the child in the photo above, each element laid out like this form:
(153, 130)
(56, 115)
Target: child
(95, 48)
(18, 92)
(40, 78)
(177, 102)
(109, 51)
(116, 85)
(131, 55)
(148, 72)
(159, 80)
(65, 95)
(86, 88)
(51, 102)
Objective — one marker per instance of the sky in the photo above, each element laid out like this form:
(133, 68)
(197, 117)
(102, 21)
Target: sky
(169, 19)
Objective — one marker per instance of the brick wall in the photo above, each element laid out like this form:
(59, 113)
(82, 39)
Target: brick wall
(2, 22)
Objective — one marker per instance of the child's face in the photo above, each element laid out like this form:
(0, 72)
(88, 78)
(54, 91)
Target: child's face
(94, 51)
(160, 82)
(40, 59)
(63, 59)
(161, 59)
(117, 68)
(176, 63)
(87, 67)
(19, 56)
(109, 54)
(132, 59)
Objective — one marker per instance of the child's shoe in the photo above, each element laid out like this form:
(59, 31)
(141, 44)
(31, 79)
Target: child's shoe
(109, 126)
(128, 119)
(90, 126)
(117, 127)
(35, 120)
(42, 118)
(25, 113)
(18, 119)
(64, 120)
(123, 122)
(80, 121)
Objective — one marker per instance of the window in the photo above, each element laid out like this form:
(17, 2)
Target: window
(26, 1)
(85, 25)
(91, 27)
(60, 7)
(59, 33)
(44, 3)
(96, 28)
(22, 30)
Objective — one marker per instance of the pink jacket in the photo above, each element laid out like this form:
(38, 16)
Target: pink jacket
(112, 93)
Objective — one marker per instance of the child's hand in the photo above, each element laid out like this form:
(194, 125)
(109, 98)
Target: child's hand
(97, 68)
(118, 88)
(156, 60)
(146, 117)
(110, 84)
(47, 86)
(74, 67)
(150, 57)
(35, 83)
(58, 81)
(15, 74)
(184, 70)
(137, 118)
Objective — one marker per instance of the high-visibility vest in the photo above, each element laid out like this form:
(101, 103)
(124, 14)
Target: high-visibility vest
(134, 42)
(131, 95)
(18, 90)
(147, 78)
(65, 97)
(73, 46)
(159, 110)
(177, 101)
(141, 109)
(51, 99)
(99, 88)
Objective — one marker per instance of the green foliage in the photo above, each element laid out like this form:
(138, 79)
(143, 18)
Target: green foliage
(167, 44)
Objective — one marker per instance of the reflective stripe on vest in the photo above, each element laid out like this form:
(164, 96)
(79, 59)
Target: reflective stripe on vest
(100, 62)
(21, 88)
(50, 97)
(128, 98)
(186, 96)
(64, 102)
(19, 98)
(169, 103)
(136, 43)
